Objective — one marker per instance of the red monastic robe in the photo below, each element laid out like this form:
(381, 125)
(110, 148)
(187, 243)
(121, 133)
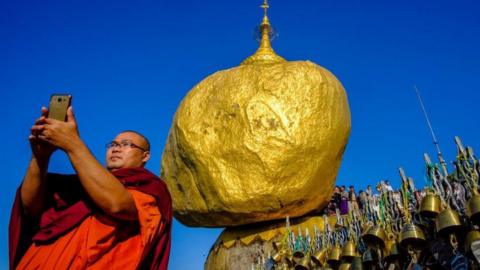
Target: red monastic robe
(74, 234)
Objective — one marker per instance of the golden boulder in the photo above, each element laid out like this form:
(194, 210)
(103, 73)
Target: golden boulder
(256, 142)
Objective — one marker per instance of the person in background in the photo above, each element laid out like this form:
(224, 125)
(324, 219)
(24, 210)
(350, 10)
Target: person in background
(362, 198)
(343, 201)
(352, 199)
(388, 186)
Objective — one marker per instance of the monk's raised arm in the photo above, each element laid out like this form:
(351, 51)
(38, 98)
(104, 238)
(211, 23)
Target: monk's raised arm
(32, 191)
(106, 191)
(103, 187)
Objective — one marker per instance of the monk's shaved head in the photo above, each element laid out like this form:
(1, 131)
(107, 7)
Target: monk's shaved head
(145, 143)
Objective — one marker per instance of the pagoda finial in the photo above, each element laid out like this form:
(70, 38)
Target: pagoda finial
(265, 21)
(264, 53)
(265, 7)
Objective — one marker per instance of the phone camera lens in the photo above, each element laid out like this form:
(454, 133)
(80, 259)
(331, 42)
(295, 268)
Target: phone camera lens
(59, 99)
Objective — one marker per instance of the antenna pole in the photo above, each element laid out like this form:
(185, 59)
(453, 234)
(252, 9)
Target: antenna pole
(435, 142)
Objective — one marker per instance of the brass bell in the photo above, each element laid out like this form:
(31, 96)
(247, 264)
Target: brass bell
(319, 257)
(298, 254)
(303, 264)
(447, 221)
(279, 255)
(369, 256)
(393, 252)
(375, 237)
(357, 264)
(471, 236)
(413, 236)
(430, 205)
(473, 208)
(349, 250)
(344, 266)
(393, 266)
(334, 255)
(290, 262)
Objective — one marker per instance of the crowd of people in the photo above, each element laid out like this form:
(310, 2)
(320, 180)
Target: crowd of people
(344, 200)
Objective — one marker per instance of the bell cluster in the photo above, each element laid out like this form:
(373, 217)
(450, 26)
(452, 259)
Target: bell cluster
(436, 227)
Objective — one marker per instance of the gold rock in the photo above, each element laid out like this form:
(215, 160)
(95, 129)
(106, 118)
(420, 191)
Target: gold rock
(237, 247)
(256, 142)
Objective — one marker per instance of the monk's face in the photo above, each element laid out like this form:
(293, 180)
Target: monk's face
(128, 150)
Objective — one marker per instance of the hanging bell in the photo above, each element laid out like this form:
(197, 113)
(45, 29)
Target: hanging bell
(279, 255)
(334, 255)
(393, 266)
(447, 221)
(369, 257)
(349, 250)
(357, 264)
(393, 252)
(375, 237)
(430, 205)
(303, 264)
(471, 237)
(344, 266)
(319, 257)
(298, 254)
(413, 236)
(473, 208)
(290, 262)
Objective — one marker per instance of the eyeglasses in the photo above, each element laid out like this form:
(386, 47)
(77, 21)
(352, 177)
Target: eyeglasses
(123, 144)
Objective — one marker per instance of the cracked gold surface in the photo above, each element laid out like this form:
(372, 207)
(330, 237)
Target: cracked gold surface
(256, 142)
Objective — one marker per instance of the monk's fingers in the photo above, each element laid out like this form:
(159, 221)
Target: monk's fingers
(32, 139)
(52, 121)
(38, 128)
(41, 120)
(44, 111)
(44, 138)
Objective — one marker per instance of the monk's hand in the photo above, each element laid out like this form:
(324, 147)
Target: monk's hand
(63, 135)
(41, 149)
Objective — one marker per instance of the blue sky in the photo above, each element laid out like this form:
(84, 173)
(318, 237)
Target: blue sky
(129, 64)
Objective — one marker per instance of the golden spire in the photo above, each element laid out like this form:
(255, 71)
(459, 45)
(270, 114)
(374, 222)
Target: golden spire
(265, 7)
(264, 53)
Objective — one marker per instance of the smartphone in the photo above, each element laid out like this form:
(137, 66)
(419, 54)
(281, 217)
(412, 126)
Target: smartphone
(59, 104)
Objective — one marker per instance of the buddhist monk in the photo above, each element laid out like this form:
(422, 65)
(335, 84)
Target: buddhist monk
(118, 217)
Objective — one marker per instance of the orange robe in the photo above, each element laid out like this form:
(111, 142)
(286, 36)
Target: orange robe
(99, 243)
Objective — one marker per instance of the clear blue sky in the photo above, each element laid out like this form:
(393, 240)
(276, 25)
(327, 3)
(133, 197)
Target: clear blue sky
(129, 64)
